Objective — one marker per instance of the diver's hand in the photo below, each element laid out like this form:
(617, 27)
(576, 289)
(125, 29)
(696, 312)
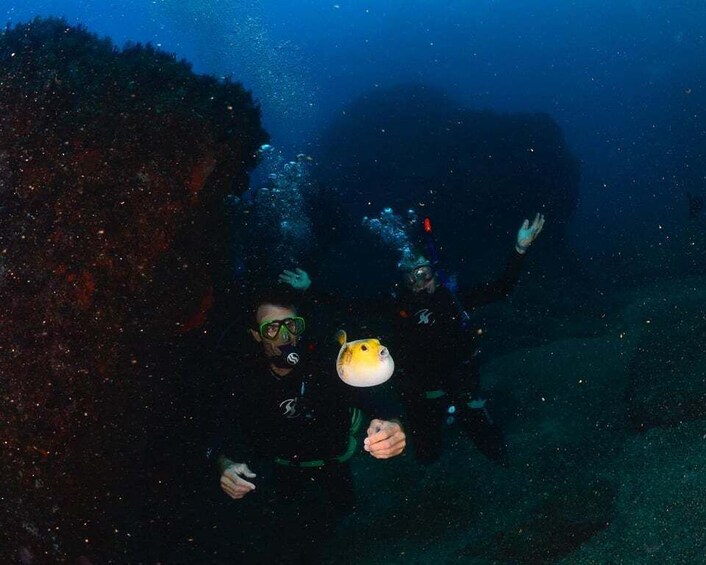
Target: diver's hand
(527, 234)
(232, 482)
(385, 439)
(298, 279)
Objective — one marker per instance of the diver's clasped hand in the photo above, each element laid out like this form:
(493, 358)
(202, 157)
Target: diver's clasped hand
(385, 439)
(298, 279)
(233, 483)
(528, 233)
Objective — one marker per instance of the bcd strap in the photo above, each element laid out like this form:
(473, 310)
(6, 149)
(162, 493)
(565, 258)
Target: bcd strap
(356, 421)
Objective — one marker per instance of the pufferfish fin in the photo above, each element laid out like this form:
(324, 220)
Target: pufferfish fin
(341, 337)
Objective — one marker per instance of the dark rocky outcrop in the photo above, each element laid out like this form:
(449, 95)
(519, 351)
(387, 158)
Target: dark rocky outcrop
(667, 374)
(554, 530)
(113, 165)
(479, 173)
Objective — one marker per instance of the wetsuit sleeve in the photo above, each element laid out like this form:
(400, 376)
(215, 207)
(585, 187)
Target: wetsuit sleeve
(498, 289)
(226, 437)
(377, 401)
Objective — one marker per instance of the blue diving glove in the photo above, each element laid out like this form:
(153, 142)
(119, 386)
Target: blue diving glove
(528, 233)
(298, 279)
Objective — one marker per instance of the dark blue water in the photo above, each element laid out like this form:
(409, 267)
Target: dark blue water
(607, 72)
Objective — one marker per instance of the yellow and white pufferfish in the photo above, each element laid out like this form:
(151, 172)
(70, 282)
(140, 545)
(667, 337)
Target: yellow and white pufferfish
(363, 362)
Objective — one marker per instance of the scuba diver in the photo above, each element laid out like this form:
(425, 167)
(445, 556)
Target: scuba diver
(290, 413)
(434, 341)
(437, 348)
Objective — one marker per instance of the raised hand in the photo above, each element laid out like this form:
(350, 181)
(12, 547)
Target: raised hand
(528, 233)
(298, 279)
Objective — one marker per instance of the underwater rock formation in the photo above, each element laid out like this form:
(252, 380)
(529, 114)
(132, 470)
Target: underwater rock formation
(659, 511)
(113, 166)
(554, 530)
(667, 374)
(479, 173)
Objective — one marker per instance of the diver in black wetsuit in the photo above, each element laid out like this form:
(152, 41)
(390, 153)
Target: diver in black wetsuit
(288, 406)
(437, 352)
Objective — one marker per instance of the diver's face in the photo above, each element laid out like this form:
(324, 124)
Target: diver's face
(420, 279)
(270, 312)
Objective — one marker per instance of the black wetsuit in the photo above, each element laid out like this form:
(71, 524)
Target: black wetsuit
(302, 423)
(436, 356)
(300, 418)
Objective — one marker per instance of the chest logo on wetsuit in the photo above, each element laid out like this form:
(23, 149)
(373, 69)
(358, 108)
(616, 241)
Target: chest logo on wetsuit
(289, 408)
(424, 316)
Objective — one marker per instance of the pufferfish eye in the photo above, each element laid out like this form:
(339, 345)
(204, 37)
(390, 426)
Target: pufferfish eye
(364, 347)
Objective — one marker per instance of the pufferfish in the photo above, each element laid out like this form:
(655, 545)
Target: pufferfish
(363, 362)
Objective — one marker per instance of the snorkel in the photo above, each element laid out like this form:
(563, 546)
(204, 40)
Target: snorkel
(394, 231)
(441, 274)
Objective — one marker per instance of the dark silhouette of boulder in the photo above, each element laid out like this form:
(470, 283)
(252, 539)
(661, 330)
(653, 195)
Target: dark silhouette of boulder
(477, 173)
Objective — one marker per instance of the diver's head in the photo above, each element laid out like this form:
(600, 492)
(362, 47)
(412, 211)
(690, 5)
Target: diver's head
(277, 328)
(417, 272)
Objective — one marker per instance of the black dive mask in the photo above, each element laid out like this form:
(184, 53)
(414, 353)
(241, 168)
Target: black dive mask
(287, 358)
